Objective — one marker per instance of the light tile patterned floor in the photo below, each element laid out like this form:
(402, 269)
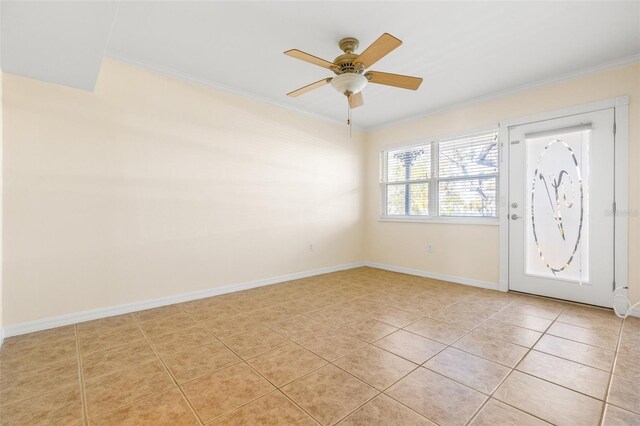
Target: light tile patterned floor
(359, 347)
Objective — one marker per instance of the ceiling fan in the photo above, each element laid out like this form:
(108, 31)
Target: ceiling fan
(350, 69)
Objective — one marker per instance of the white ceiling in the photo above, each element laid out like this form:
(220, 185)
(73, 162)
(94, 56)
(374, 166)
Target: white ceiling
(464, 50)
(60, 42)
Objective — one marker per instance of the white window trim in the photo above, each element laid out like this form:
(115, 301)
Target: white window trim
(433, 184)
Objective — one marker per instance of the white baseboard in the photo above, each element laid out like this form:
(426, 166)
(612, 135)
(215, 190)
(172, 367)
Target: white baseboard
(59, 321)
(433, 275)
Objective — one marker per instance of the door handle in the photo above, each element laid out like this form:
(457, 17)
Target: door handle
(515, 216)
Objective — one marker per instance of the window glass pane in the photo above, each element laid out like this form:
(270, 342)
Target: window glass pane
(419, 199)
(468, 197)
(468, 156)
(409, 164)
(408, 199)
(395, 199)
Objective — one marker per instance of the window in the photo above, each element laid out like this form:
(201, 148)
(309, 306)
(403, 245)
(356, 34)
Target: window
(447, 178)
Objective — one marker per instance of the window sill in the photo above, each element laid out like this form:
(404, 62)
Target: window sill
(491, 221)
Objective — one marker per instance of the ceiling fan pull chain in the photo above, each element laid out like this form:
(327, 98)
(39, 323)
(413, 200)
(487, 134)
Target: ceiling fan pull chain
(349, 117)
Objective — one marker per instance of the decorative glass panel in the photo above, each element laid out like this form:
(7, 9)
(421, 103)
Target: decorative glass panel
(468, 197)
(557, 194)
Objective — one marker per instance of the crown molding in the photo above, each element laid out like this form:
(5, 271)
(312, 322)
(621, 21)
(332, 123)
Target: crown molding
(508, 92)
(150, 66)
(170, 72)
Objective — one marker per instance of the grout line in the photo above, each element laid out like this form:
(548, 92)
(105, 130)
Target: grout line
(136, 320)
(242, 360)
(512, 370)
(350, 297)
(613, 368)
(83, 397)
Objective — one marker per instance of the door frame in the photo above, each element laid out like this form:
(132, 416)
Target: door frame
(621, 182)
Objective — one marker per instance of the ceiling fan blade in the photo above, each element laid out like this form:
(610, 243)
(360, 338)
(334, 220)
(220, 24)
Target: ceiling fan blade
(307, 57)
(309, 87)
(396, 80)
(378, 49)
(356, 100)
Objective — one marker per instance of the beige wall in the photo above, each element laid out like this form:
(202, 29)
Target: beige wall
(153, 187)
(1, 210)
(471, 251)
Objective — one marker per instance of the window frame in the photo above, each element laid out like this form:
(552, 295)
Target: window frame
(433, 183)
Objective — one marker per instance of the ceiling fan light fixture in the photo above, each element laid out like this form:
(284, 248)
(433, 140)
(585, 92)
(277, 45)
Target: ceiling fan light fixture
(349, 83)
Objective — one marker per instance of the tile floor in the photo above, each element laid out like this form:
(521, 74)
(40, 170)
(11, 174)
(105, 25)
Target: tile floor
(359, 347)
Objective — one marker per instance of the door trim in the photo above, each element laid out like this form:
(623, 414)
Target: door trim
(621, 181)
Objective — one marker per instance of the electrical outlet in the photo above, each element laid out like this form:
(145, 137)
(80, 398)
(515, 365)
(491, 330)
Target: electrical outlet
(429, 248)
(310, 246)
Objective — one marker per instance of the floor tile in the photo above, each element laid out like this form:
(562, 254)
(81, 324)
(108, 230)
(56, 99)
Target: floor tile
(286, 364)
(110, 360)
(438, 331)
(366, 329)
(395, 317)
(165, 409)
(375, 366)
(590, 336)
(627, 367)
(106, 324)
(575, 351)
(62, 406)
(167, 325)
(187, 338)
(29, 341)
(625, 394)
(225, 390)
(591, 318)
(335, 315)
(542, 308)
(437, 398)
(109, 338)
(271, 409)
(255, 342)
(614, 416)
(384, 411)
(297, 326)
(273, 329)
(549, 402)
(157, 313)
(523, 320)
(579, 377)
(495, 350)
(462, 319)
(496, 413)
(410, 346)
(25, 356)
(193, 363)
(470, 370)
(630, 346)
(329, 394)
(509, 333)
(331, 345)
(106, 393)
(227, 326)
(16, 386)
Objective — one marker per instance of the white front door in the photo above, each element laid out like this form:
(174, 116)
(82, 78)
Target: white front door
(561, 194)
